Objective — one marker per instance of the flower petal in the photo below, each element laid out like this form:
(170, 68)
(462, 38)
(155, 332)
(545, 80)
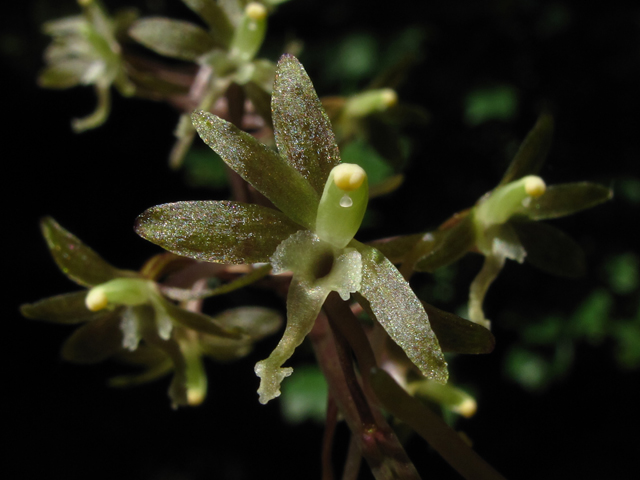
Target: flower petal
(263, 168)
(221, 232)
(66, 308)
(172, 38)
(549, 249)
(302, 129)
(532, 152)
(96, 340)
(78, 262)
(400, 313)
(566, 199)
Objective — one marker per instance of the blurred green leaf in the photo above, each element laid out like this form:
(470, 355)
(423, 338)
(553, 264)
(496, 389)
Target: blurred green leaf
(304, 395)
(494, 103)
(623, 273)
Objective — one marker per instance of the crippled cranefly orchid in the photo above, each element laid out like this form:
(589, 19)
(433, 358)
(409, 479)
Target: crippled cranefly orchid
(125, 315)
(321, 202)
(504, 223)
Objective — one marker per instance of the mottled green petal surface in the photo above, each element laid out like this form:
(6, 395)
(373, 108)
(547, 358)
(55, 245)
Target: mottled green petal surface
(172, 38)
(260, 166)
(79, 262)
(565, 199)
(532, 152)
(303, 131)
(400, 313)
(67, 308)
(95, 341)
(220, 232)
(549, 249)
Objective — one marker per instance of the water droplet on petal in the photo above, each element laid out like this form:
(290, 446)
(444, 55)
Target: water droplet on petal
(346, 201)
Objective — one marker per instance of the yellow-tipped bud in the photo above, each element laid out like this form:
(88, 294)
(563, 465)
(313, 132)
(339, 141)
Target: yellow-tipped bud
(96, 299)
(389, 97)
(534, 186)
(349, 176)
(256, 11)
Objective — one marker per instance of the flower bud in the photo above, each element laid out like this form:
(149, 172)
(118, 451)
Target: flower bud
(249, 34)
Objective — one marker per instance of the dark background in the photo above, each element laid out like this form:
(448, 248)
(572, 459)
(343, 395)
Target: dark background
(581, 59)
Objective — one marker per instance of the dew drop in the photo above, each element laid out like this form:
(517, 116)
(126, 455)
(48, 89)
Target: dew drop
(346, 201)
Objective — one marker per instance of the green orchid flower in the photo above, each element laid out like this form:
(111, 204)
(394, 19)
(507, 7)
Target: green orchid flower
(85, 51)
(127, 316)
(504, 224)
(225, 52)
(321, 203)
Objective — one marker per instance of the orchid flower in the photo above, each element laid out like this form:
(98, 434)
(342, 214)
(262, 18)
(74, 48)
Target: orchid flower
(322, 203)
(125, 315)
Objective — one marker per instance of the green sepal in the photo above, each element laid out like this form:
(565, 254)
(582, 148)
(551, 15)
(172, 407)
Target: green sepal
(216, 231)
(201, 323)
(64, 74)
(549, 249)
(533, 151)
(95, 341)
(566, 199)
(255, 322)
(302, 129)
(401, 314)
(263, 168)
(447, 246)
(396, 248)
(68, 308)
(215, 17)
(172, 38)
(78, 262)
(458, 335)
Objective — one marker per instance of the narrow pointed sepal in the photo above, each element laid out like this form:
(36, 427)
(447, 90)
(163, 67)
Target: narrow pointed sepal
(219, 232)
(400, 313)
(262, 167)
(302, 128)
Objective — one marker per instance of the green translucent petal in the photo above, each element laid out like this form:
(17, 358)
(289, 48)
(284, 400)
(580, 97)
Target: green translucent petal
(566, 199)
(400, 313)
(255, 322)
(96, 340)
(302, 129)
(215, 17)
(63, 74)
(79, 262)
(200, 323)
(444, 247)
(457, 335)
(303, 306)
(221, 232)
(67, 308)
(395, 248)
(260, 166)
(549, 249)
(532, 152)
(172, 38)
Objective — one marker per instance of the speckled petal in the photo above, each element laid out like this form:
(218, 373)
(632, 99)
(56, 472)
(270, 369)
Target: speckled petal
(566, 199)
(262, 167)
(220, 232)
(78, 262)
(400, 313)
(303, 131)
